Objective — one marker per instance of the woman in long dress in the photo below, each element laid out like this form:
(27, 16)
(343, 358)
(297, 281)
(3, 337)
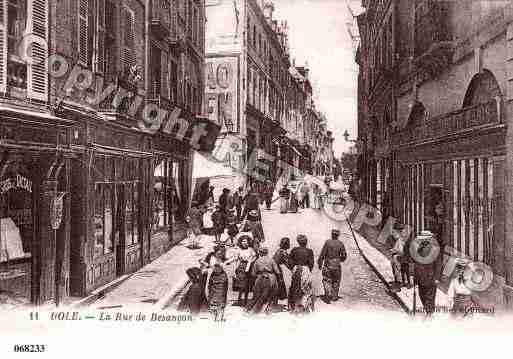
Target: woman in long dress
(284, 199)
(281, 257)
(215, 262)
(244, 259)
(265, 270)
(254, 224)
(301, 262)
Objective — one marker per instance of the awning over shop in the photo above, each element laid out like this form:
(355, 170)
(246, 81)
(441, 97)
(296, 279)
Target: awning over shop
(205, 167)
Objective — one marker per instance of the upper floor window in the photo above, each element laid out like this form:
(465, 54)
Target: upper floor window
(128, 39)
(16, 26)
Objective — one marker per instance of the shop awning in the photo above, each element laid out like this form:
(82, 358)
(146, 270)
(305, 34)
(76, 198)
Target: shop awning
(205, 167)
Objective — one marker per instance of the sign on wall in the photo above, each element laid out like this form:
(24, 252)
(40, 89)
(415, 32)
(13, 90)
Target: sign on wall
(221, 91)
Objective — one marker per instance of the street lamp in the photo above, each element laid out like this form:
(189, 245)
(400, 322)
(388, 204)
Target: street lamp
(346, 137)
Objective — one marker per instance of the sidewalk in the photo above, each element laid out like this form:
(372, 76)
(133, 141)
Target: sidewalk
(380, 260)
(156, 284)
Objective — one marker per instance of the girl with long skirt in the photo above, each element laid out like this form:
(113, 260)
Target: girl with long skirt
(265, 289)
(194, 297)
(244, 260)
(217, 282)
(254, 224)
(301, 262)
(281, 257)
(284, 199)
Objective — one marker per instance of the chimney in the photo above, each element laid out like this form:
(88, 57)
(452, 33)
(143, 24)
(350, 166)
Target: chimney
(268, 9)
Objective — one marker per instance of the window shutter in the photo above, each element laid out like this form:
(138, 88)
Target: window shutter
(164, 68)
(3, 45)
(100, 37)
(127, 50)
(37, 85)
(83, 31)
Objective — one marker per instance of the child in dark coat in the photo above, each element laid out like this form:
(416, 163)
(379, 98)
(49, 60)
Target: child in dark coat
(195, 296)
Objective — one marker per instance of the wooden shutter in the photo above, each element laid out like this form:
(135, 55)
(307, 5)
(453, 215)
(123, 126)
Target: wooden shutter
(164, 71)
(100, 37)
(37, 84)
(128, 43)
(83, 31)
(3, 45)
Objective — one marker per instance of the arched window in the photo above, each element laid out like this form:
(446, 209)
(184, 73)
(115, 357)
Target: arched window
(482, 88)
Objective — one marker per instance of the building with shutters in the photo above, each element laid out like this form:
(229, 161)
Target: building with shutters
(89, 190)
(256, 93)
(441, 134)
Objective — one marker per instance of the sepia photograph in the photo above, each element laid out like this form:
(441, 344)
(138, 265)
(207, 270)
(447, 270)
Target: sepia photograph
(200, 172)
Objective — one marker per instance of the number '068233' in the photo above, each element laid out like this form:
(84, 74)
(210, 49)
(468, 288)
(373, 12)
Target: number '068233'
(29, 348)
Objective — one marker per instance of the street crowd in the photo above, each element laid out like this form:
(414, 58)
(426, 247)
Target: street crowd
(236, 222)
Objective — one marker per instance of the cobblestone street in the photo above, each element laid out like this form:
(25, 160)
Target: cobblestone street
(361, 289)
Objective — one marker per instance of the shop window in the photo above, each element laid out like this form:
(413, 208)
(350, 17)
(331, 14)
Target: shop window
(103, 219)
(161, 190)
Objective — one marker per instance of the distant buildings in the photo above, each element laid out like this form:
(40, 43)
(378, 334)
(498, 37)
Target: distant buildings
(433, 110)
(266, 101)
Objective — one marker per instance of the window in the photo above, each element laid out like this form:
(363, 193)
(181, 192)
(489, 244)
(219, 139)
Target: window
(254, 36)
(156, 71)
(103, 219)
(83, 32)
(131, 193)
(174, 81)
(100, 36)
(128, 39)
(16, 23)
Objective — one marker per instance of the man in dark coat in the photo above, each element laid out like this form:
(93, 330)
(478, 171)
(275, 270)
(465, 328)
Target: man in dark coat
(333, 253)
(237, 202)
(224, 200)
(251, 202)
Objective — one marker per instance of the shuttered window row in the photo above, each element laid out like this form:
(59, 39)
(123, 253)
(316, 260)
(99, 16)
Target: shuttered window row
(16, 19)
(471, 191)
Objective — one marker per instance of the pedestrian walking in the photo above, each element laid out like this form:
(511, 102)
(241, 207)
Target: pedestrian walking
(460, 296)
(281, 257)
(238, 198)
(269, 189)
(210, 197)
(300, 196)
(253, 223)
(427, 275)
(244, 258)
(215, 263)
(293, 202)
(218, 219)
(284, 199)
(265, 288)
(194, 297)
(301, 263)
(305, 189)
(333, 253)
(224, 200)
(194, 231)
(314, 194)
(251, 201)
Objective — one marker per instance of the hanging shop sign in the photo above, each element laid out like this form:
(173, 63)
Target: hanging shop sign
(56, 210)
(16, 182)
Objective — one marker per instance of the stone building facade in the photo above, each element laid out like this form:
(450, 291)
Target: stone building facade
(445, 136)
(96, 182)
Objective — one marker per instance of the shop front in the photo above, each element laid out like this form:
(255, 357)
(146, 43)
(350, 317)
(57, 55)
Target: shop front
(34, 210)
(457, 160)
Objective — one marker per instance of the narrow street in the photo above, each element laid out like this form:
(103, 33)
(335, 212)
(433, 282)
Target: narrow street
(361, 289)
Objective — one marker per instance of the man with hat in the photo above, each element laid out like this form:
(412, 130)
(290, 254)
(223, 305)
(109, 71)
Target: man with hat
(400, 267)
(333, 253)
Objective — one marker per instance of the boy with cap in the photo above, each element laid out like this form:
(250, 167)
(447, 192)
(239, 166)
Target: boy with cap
(333, 253)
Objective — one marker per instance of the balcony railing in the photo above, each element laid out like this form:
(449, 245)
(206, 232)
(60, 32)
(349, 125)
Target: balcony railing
(161, 19)
(453, 123)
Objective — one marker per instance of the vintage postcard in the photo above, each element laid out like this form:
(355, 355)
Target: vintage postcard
(183, 171)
